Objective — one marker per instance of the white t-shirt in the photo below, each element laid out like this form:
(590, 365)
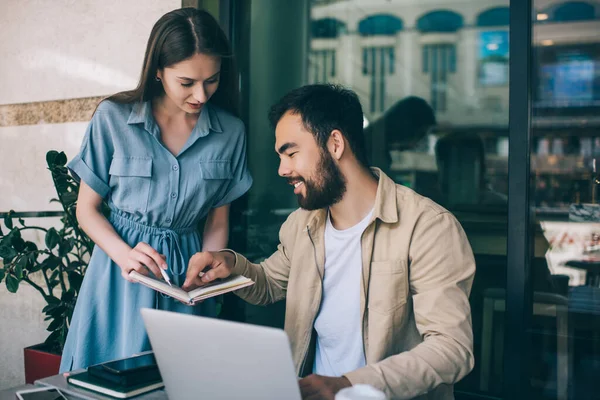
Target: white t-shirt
(338, 324)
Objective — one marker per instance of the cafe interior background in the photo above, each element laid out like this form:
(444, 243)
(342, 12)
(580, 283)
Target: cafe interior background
(490, 107)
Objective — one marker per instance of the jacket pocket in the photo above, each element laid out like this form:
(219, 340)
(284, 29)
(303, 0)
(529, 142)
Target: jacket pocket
(130, 179)
(388, 286)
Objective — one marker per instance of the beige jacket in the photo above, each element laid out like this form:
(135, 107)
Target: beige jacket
(418, 268)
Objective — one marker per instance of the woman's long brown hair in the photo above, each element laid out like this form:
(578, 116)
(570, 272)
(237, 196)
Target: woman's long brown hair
(177, 36)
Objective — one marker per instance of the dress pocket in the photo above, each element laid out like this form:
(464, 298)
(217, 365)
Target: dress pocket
(208, 184)
(388, 286)
(215, 169)
(130, 179)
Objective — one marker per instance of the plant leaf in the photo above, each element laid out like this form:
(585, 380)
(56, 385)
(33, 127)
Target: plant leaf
(12, 284)
(18, 243)
(52, 339)
(2, 274)
(52, 238)
(49, 308)
(54, 275)
(57, 311)
(75, 280)
(64, 248)
(61, 159)
(68, 296)
(7, 253)
(51, 157)
(30, 246)
(69, 198)
(35, 267)
(51, 262)
(54, 325)
(8, 220)
(20, 266)
(73, 265)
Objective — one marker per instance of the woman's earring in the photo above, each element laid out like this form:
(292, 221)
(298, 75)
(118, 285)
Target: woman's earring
(157, 79)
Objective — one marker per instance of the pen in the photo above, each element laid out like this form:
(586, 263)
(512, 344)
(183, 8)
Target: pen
(166, 276)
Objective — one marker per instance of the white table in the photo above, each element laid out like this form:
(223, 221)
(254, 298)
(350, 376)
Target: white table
(74, 392)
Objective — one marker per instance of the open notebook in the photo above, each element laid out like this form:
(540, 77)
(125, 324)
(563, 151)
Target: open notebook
(214, 288)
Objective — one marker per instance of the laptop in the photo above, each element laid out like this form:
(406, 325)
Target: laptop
(207, 358)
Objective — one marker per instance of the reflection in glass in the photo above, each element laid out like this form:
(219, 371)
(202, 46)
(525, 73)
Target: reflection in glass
(433, 82)
(565, 150)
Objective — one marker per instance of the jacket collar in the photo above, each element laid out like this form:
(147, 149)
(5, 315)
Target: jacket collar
(386, 204)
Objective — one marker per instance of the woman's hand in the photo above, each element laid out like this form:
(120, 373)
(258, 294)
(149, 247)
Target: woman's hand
(141, 259)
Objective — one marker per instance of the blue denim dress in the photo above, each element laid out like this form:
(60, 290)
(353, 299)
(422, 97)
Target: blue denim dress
(156, 198)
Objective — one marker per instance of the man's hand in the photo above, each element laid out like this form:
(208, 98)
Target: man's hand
(219, 263)
(317, 387)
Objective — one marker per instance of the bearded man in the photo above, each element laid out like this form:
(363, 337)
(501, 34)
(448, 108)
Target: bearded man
(376, 277)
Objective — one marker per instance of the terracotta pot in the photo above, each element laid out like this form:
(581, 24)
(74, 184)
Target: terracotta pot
(39, 363)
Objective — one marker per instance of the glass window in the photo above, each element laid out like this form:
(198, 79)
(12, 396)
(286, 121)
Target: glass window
(433, 84)
(573, 11)
(321, 65)
(440, 21)
(379, 25)
(498, 16)
(565, 276)
(327, 28)
(435, 94)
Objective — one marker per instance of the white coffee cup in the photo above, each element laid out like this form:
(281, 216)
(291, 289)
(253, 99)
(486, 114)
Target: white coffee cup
(360, 392)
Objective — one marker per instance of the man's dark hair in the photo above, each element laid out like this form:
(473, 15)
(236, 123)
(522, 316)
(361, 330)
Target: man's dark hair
(323, 108)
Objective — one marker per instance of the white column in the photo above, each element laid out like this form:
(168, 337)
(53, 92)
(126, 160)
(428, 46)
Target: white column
(408, 61)
(347, 57)
(466, 63)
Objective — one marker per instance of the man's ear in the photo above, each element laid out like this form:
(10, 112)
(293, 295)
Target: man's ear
(336, 144)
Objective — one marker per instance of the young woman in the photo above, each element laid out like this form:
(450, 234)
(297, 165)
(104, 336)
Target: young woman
(163, 156)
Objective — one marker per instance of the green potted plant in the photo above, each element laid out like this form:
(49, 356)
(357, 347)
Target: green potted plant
(55, 270)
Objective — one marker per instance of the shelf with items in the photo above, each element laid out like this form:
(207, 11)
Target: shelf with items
(558, 180)
(568, 165)
(404, 161)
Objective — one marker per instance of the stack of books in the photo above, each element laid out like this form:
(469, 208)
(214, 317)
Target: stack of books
(122, 379)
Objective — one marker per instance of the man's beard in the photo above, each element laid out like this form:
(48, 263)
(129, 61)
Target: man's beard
(328, 190)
